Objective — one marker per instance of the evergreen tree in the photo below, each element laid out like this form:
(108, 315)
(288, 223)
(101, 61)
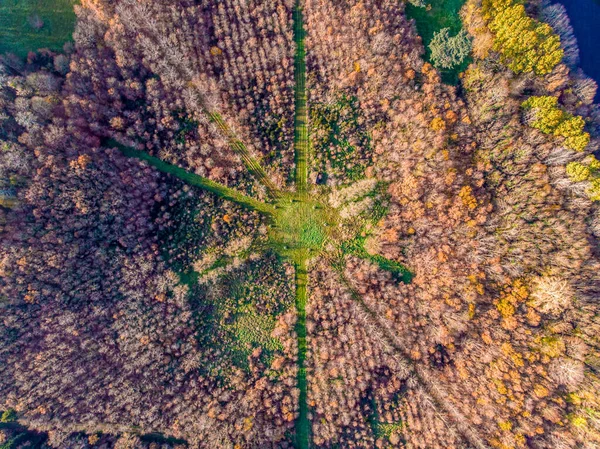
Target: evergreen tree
(449, 51)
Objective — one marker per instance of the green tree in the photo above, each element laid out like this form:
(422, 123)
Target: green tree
(586, 171)
(572, 130)
(549, 118)
(449, 51)
(594, 190)
(9, 416)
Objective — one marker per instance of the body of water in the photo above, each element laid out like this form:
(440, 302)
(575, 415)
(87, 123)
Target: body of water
(585, 19)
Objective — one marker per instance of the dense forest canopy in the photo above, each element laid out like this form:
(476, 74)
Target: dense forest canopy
(270, 224)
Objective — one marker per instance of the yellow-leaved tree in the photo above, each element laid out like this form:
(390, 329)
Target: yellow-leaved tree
(525, 44)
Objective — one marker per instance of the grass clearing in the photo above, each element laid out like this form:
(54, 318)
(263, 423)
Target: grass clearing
(29, 25)
(301, 227)
(436, 15)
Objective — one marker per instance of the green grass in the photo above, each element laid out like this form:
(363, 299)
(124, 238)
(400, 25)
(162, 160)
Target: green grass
(8, 416)
(437, 15)
(18, 36)
(300, 227)
(250, 331)
(386, 429)
(241, 317)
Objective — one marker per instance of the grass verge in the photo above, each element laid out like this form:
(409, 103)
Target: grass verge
(356, 247)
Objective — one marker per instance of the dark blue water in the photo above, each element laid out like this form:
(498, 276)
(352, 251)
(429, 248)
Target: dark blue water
(585, 19)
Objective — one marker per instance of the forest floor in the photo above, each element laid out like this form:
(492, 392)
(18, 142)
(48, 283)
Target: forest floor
(28, 25)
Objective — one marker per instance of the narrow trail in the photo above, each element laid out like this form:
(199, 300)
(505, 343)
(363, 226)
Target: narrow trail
(196, 180)
(302, 423)
(301, 139)
(435, 392)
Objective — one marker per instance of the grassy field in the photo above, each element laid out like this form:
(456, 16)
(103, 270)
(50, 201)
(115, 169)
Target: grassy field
(436, 15)
(29, 25)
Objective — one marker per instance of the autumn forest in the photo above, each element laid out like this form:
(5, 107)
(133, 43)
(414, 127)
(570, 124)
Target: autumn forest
(248, 224)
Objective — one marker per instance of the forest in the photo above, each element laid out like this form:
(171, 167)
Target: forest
(297, 224)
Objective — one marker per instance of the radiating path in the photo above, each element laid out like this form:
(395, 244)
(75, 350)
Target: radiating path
(196, 180)
(301, 139)
(436, 393)
(239, 148)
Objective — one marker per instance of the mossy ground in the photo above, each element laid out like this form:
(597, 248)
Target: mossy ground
(384, 430)
(29, 25)
(237, 314)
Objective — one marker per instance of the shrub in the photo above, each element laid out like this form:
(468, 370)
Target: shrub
(449, 51)
(8, 416)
